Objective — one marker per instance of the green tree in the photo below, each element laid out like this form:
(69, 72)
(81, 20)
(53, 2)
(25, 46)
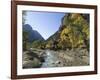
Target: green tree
(37, 44)
(25, 40)
(24, 13)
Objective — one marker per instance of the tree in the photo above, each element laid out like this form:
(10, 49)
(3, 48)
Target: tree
(64, 38)
(25, 40)
(25, 34)
(38, 44)
(24, 13)
(76, 31)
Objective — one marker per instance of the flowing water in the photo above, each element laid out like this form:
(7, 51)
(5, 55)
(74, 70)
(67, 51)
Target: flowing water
(49, 59)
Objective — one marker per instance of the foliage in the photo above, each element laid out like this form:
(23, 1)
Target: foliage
(25, 40)
(38, 44)
(23, 17)
(76, 31)
(49, 44)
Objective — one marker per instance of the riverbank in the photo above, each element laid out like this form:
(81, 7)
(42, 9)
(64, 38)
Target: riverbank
(51, 58)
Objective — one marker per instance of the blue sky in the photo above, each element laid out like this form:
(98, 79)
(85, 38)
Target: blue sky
(46, 23)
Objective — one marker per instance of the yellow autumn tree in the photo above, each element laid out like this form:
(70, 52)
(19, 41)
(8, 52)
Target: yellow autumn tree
(76, 31)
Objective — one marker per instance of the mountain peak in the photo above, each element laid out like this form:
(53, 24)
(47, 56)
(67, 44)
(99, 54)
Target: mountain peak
(27, 27)
(32, 34)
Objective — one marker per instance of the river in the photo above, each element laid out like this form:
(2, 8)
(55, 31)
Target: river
(50, 59)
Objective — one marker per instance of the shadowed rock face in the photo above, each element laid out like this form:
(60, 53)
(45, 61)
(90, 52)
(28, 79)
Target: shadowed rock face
(31, 60)
(33, 34)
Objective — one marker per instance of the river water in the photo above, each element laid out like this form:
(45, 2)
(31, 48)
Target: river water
(50, 59)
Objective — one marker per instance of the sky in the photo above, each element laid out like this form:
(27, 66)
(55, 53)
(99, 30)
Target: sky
(46, 23)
